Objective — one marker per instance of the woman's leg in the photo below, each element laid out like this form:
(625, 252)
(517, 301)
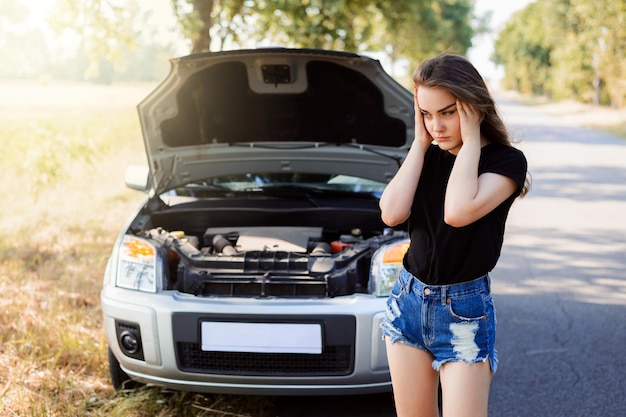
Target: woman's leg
(414, 381)
(465, 389)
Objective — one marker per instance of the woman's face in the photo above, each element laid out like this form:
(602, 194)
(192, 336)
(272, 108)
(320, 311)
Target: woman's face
(441, 117)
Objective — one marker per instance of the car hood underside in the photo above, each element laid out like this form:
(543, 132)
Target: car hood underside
(275, 110)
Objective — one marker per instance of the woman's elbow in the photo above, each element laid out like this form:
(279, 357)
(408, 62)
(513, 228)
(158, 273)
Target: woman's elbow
(393, 219)
(457, 218)
(389, 221)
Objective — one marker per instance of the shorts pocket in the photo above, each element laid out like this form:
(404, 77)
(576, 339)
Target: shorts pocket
(468, 308)
(401, 287)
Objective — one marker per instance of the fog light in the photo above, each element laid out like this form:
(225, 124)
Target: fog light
(129, 339)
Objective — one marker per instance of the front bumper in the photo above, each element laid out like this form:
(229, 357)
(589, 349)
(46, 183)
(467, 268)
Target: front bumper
(353, 358)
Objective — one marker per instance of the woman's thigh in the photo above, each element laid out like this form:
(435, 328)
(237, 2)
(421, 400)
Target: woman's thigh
(465, 388)
(414, 380)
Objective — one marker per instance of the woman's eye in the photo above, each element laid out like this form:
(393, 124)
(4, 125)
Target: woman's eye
(448, 113)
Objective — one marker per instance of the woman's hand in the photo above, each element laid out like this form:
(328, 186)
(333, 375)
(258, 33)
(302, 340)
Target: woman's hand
(422, 137)
(397, 199)
(470, 197)
(470, 120)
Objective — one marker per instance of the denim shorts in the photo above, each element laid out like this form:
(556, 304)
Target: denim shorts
(454, 323)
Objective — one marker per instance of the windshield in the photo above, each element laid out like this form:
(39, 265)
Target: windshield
(251, 182)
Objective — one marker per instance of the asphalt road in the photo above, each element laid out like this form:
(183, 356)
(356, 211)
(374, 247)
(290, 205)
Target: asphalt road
(560, 285)
(559, 288)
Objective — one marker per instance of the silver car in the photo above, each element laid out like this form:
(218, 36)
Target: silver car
(258, 263)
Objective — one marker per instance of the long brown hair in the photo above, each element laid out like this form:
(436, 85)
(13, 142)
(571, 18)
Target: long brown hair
(457, 75)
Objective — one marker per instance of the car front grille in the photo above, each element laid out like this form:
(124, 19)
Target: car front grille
(335, 360)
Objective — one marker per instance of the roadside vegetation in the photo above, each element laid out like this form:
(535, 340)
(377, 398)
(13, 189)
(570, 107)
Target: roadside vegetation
(611, 121)
(566, 50)
(64, 202)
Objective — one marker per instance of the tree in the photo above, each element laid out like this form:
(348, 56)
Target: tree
(600, 32)
(330, 24)
(413, 29)
(567, 49)
(204, 20)
(23, 50)
(524, 50)
(105, 30)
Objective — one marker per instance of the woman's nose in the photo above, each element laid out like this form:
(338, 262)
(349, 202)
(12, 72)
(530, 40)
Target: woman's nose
(438, 126)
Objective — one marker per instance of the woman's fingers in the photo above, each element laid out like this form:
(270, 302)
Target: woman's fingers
(470, 120)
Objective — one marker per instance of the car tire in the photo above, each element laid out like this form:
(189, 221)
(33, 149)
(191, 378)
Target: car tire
(119, 378)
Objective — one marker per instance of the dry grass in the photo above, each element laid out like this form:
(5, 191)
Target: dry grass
(609, 120)
(65, 149)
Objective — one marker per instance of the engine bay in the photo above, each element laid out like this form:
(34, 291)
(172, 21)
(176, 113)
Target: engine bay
(267, 261)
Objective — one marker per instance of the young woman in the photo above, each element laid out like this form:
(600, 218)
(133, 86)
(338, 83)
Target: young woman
(455, 196)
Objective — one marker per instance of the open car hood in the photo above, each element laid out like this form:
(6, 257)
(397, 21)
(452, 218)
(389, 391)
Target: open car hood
(275, 110)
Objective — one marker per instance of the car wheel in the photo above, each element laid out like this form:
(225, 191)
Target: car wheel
(119, 378)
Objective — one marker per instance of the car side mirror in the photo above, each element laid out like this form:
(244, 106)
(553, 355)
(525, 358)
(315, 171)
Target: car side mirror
(137, 177)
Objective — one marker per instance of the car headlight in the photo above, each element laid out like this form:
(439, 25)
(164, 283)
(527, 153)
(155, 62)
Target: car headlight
(386, 266)
(136, 265)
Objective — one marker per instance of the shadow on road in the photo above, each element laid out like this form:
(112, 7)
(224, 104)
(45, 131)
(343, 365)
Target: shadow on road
(372, 405)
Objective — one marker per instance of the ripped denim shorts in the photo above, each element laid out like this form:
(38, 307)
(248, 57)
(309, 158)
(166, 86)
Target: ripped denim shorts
(454, 323)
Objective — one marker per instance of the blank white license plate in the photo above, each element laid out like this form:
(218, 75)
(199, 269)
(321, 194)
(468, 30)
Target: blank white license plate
(261, 337)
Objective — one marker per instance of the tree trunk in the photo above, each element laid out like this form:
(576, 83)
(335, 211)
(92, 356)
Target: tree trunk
(202, 40)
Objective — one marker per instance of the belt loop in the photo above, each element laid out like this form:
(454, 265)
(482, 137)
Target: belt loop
(444, 295)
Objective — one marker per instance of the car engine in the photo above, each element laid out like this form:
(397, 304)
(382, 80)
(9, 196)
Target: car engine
(267, 261)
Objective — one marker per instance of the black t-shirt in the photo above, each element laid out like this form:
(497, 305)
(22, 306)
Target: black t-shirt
(440, 254)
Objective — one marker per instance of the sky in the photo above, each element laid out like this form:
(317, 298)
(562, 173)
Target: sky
(479, 54)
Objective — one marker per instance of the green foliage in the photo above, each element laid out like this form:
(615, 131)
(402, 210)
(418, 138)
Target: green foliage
(418, 29)
(22, 49)
(567, 49)
(524, 50)
(52, 151)
(104, 28)
(204, 20)
(412, 29)
(95, 40)
(338, 24)
(105, 41)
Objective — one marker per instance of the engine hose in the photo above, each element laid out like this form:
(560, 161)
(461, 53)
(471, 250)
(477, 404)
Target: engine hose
(223, 245)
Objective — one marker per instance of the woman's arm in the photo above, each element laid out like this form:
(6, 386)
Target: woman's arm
(397, 198)
(468, 196)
